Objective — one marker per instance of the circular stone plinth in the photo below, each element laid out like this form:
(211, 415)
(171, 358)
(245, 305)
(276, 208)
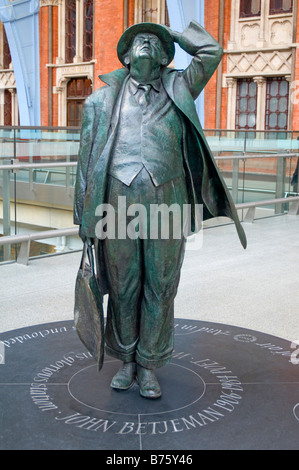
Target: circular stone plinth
(225, 388)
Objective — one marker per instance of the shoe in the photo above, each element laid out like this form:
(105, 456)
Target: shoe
(125, 377)
(148, 383)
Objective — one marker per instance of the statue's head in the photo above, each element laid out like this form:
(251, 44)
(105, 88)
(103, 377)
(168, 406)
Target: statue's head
(146, 41)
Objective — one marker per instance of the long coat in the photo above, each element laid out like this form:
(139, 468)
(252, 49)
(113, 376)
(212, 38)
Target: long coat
(99, 126)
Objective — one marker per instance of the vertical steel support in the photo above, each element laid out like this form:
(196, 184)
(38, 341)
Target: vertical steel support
(280, 183)
(235, 180)
(6, 210)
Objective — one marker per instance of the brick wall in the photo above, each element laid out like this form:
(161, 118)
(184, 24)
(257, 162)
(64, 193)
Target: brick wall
(109, 21)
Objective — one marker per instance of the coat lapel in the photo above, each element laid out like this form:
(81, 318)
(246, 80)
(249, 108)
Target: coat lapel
(177, 89)
(115, 78)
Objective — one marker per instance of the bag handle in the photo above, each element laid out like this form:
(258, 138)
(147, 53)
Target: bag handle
(87, 253)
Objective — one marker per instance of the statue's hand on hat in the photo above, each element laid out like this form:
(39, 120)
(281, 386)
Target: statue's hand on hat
(174, 34)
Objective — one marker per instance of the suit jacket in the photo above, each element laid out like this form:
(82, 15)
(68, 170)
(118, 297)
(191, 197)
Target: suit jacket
(204, 182)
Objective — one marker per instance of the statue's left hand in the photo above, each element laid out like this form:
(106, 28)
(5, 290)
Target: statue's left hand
(174, 34)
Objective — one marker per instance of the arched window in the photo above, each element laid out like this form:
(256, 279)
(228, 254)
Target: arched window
(246, 104)
(277, 104)
(6, 52)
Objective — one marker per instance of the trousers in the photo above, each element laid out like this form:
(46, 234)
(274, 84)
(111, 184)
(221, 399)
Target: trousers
(143, 275)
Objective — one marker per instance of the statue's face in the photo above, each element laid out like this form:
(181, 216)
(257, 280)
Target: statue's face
(147, 46)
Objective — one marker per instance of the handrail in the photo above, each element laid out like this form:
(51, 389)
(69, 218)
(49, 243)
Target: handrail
(20, 166)
(248, 156)
(40, 128)
(77, 128)
(251, 206)
(245, 156)
(286, 200)
(13, 239)
(25, 240)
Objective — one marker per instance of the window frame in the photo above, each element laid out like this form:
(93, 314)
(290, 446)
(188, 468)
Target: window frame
(247, 112)
(243, 14)
(268, 111)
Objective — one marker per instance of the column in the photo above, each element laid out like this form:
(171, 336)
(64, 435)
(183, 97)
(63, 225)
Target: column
(291, 102)
(138, 11)
(61, 106)
(231, 84)
(61, 33)
(79, 31)
(233, 22)
(14, 107)
(261, 102)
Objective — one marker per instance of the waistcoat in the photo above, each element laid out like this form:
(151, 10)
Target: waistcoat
(147, 136)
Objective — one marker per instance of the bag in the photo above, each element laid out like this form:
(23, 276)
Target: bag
(88, 311)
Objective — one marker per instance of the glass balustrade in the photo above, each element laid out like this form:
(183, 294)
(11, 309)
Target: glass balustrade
(38, 172)
(36, 193)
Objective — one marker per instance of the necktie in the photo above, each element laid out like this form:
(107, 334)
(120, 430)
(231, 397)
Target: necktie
(143, 98)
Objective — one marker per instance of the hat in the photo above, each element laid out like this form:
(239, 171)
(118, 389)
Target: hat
(159, 30)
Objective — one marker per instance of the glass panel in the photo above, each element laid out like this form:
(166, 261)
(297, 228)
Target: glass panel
(273, 104)
(252, 89)
(281, 6)
(282, 121)
(274, 88)
(273, 121)
(242, 121)
(252, 104)
(284, 88)
(28, 193)
(243, 104)
(255, 7)
(250, 8)
(257, 178)
(244, 88)
(256, 173)
(283, 104)
(251, 121)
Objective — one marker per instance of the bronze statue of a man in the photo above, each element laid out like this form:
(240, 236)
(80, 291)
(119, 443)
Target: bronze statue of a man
(141, 139)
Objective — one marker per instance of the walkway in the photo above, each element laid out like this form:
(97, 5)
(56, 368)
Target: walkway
(255, 288)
